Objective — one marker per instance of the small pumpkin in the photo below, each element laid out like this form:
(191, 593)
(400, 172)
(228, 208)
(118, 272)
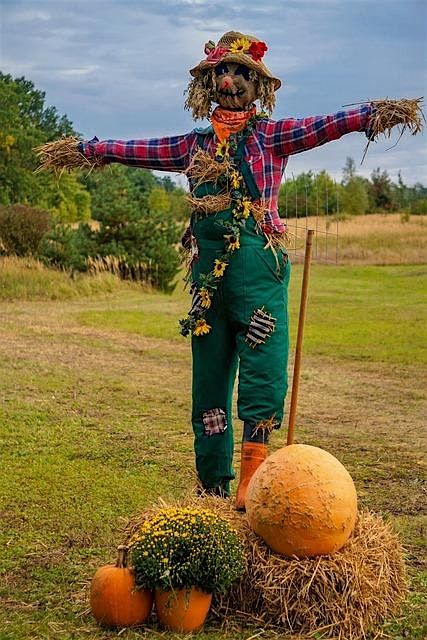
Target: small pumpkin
(114, 598)
(302, 502)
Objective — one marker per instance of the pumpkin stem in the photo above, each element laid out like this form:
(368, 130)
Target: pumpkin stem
(122, 556)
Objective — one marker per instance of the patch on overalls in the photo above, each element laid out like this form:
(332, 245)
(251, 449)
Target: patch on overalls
(260, 327)
(214, 421)
(196, 302)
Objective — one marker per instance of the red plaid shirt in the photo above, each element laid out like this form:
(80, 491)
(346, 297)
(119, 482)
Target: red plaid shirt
(267, 149)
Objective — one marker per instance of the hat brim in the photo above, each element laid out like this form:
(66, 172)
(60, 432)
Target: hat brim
(239, 58)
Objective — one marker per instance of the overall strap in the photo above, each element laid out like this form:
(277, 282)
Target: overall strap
(246, 171)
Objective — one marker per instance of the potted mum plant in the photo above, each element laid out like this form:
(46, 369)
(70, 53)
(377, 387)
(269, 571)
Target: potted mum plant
(185, 555)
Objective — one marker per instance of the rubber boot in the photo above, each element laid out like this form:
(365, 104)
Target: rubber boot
(253, 454)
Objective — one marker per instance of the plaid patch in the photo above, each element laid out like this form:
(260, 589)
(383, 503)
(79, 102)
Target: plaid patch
(214, 421)
(260, 327)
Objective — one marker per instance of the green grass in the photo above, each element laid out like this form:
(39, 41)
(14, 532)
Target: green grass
(94, 426)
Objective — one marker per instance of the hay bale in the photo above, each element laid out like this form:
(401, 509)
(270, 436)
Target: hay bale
(344, 595)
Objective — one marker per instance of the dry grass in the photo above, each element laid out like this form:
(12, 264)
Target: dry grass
(204, 168)
(371, 239)
(344, 595)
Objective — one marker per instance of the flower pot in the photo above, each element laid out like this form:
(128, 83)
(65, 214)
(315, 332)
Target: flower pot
(182, 609)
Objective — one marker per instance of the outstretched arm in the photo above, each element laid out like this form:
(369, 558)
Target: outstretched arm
(163, 154)
(291, 136)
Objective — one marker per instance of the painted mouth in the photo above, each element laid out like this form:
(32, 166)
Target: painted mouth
(238, 93)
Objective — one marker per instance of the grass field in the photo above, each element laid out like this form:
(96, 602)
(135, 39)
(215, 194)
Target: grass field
(94, 401)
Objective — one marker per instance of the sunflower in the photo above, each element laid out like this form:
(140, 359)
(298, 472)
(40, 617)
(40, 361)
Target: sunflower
(235, 180)
(241, 45)
(206, 298)
(246, 207)
(201, 328)
(219, 268)
(233, 242)
(223, 149)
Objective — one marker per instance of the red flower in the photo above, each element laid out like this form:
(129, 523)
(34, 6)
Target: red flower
(215, 55)
(257, 50)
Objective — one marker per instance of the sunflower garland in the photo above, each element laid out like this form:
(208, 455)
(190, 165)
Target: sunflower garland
(242, 207)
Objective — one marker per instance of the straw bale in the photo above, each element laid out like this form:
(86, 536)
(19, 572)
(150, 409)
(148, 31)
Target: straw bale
(346, 595)
(63, 155)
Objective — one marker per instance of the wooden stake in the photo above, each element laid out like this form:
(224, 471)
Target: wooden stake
(298, 349)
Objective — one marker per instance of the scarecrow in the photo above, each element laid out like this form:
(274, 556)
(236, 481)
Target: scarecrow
(238, 265)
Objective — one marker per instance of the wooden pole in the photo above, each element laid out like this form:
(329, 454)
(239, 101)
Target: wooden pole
(300, 334)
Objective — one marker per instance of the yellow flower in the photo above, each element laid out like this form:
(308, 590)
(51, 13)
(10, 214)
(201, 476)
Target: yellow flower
(206, 298)
(240, 45)
(201, 328)
(235, 179)
(219, 268)
(247, 206)
(222, 149)
(233, 242)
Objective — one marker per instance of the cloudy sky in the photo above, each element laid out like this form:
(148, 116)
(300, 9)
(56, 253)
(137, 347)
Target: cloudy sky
(118, 68)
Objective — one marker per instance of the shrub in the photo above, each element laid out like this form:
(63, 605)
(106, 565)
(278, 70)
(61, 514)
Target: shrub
(67, 248)
(185, 547)
(22, 229)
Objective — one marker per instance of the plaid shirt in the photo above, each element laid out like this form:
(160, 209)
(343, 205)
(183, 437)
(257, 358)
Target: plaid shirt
(267, 150)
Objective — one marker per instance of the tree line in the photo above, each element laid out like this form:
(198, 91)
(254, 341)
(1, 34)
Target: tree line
(130, 214)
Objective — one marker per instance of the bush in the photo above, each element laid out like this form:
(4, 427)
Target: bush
(22, 229)
(67, 248)
(185, 547)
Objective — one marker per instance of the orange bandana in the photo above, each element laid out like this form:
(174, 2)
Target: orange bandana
(226, 122)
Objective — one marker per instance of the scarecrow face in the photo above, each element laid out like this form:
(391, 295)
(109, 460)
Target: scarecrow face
(234, 88)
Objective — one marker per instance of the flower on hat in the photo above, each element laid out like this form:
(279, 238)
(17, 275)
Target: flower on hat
(240, 45)
(215, 55)
(257, 50)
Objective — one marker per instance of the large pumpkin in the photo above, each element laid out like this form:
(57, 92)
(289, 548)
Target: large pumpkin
(114, 599)
(302, 501)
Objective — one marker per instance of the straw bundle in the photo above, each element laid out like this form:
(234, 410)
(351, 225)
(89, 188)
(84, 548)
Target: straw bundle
(406, 114)
(63, 155)
(344, 595)
(204, 168)
(209, 204)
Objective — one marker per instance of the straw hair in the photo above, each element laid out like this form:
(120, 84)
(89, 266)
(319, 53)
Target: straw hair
(345, 595)
(201, 93)
(63, 155)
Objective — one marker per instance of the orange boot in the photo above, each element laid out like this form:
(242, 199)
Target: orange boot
(253, 454)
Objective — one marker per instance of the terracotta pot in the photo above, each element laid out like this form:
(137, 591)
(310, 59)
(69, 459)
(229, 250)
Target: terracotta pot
(182, 609)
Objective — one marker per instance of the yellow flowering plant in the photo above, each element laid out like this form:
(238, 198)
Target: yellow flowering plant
(185, 547)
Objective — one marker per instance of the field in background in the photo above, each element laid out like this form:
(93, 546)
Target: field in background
(374, 239)
(94, 424)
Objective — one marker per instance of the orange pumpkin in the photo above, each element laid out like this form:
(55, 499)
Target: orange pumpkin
(114, 599)
(182, 610)
(302, 501)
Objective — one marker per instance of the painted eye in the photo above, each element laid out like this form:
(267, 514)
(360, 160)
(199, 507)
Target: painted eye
(242, 70)
(220, 69)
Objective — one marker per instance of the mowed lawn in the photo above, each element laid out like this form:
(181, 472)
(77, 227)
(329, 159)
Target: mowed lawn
(95, 404)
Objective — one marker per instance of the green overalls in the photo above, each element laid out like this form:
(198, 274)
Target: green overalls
(249, 330)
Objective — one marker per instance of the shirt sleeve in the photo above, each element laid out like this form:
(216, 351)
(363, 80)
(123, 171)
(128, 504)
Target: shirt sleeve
(291, 136)
(163, 154)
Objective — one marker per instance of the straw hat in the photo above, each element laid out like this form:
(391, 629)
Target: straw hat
(236, 47)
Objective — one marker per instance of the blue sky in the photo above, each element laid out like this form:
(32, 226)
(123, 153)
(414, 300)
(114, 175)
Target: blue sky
(118, 68)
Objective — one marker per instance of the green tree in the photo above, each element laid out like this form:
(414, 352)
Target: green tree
(381, 190)
(354, 192)
(25, 122)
